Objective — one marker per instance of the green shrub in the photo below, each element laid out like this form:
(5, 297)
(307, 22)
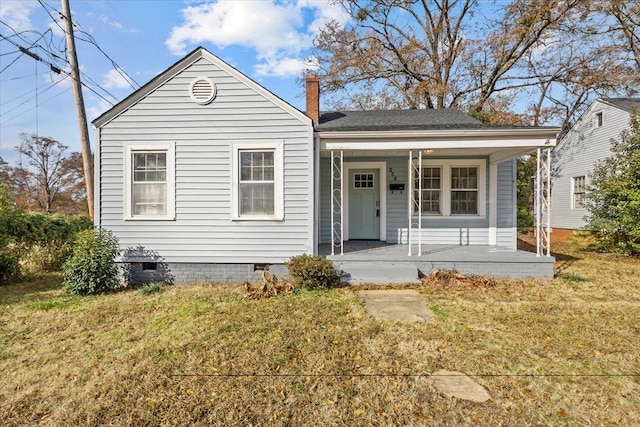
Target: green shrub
(613, 195)
(152, 288)
(47, 239)
(9, 224)
(9, 266)
(312, 272)
(92, 269)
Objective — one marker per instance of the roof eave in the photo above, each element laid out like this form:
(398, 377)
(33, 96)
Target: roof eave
(532, 132)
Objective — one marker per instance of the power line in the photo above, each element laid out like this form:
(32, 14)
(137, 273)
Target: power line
(91, 40)
(53, 67)
(52, 84)
(34, 107)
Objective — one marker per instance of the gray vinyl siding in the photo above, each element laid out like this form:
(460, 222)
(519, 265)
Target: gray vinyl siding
(450, 230)
(203, 230)
(576, 155)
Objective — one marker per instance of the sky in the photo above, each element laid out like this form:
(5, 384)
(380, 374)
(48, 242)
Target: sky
(122, 44)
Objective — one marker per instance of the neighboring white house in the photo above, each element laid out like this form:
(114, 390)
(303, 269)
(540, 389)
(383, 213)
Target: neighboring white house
(587, 142)
(205, 168)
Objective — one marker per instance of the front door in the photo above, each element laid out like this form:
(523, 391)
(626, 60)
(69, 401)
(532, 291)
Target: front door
(364, 204)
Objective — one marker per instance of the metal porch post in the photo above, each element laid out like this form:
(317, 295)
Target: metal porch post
(337, 212)
(415, 203)
(543, 202)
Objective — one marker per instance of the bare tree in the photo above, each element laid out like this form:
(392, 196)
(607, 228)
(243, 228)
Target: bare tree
(40, 175)
(520, 62)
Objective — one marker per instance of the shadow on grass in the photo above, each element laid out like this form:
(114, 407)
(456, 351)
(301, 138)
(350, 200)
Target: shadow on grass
(30, 288)
(564, 260)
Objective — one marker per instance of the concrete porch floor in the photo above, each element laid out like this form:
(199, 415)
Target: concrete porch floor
(380, 262)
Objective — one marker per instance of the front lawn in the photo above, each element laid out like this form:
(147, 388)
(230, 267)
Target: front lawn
(550, 352)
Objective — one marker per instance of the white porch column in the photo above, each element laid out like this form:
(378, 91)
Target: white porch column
(543, 202)
(415, 203)
(493, 204)
(337, 198)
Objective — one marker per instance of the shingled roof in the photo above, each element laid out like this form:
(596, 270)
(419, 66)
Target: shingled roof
(375, 120)
(624, 103)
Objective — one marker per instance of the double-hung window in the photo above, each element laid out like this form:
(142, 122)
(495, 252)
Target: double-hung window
(149, 181)
(579, 192)
(464, 190)
(431, 190)
(257, 180)
(452, 188)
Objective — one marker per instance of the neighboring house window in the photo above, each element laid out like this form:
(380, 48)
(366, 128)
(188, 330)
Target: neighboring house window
(579, 192)
(149, 181)
(257, 180)
(453, 188)
(599, 119)
(464, 191)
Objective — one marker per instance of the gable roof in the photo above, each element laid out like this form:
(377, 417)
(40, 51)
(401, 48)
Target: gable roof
(179, 66)
(626, 104)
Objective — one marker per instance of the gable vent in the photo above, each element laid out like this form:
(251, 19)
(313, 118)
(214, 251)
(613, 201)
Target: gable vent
(202, 90)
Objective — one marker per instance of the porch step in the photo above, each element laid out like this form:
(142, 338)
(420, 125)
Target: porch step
(377, 272)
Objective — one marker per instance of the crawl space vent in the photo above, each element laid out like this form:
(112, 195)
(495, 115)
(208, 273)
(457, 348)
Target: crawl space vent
(202, 90)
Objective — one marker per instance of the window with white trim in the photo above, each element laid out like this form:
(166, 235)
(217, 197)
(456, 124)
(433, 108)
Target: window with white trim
(149, 181)
(579, 192)
(464, 190)
(453, 188)
(431, 190)
(257, 180)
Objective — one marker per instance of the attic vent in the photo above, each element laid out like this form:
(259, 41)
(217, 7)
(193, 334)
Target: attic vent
(202, 90)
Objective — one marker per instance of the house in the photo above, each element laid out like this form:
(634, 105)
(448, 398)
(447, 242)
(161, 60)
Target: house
(575, 156)
(204, 172)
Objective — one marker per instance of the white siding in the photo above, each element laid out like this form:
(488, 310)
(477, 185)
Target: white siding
(576, 155)
(203, 230)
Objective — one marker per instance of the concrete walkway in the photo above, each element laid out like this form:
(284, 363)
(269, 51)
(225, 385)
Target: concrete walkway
(407, 305)
(403, 305)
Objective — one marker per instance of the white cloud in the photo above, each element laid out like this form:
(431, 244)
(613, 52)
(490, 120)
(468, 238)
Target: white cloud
(115, 24)
(16, 13)
(96, 111)
(116, 79)
(283, 66)
(279, 31)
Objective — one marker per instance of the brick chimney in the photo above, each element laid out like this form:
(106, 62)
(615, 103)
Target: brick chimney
(313, 98)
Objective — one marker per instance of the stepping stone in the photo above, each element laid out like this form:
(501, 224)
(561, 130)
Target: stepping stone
(460, 386)
(404, 305)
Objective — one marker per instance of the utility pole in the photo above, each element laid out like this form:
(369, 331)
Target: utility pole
(82, 115)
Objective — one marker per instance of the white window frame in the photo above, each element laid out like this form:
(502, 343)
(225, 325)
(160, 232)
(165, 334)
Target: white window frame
(425, 190)
(277, 146)
(129, 149)
(573, 192)
(445, 186)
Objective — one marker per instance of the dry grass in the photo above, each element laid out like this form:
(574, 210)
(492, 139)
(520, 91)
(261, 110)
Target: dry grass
(550, 352)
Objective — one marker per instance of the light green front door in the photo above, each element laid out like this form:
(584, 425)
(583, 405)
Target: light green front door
(364, 204)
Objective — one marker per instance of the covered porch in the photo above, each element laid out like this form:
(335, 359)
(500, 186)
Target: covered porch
(417, 200)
